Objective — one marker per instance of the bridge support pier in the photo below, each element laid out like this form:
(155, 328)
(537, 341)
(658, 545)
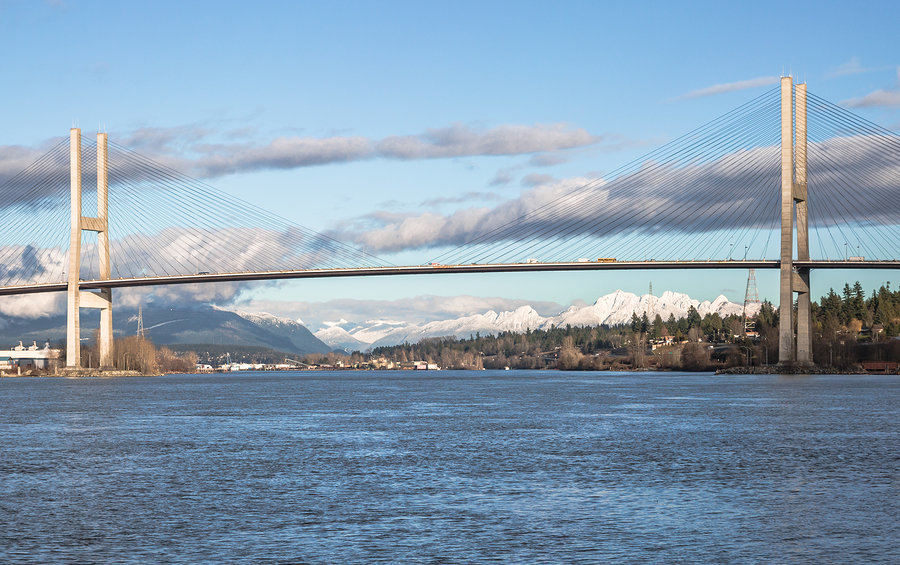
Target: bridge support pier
(73, 320)
(77, 298)
(794, 198)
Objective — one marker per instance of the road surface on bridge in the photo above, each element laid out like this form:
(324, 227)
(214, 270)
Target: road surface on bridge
(439, 270)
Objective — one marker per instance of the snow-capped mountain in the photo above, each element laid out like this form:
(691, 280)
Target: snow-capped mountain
(296, 333)
(339, 338)
(611, 309)
(518, 320)
(371, 331)
(616, 308)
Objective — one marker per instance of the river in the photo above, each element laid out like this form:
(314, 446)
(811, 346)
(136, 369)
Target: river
(443, 467)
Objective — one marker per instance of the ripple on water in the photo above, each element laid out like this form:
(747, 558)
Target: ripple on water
(451, 467)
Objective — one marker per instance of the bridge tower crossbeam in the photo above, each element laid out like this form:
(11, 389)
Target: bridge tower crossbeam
(77, 298)
(794, 197)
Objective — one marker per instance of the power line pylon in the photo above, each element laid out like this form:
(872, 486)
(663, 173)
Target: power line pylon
(140, 320)
(751, 298)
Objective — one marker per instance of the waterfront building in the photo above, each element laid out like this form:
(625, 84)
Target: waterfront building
(29, 357)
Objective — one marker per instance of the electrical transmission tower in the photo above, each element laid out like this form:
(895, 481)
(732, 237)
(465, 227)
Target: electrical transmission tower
(751, 298)
(140, 328)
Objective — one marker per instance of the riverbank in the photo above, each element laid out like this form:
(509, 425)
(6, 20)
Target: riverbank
(763, 370)
(79, 373)
(785, 370)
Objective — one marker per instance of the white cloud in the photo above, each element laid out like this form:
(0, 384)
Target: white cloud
(192, 149)
(548, 159)
(281, 153)
(33, 305)
(730, 87)
(394, 232)
(162, 253)
(460, 198)
(182, 250)
(535, 179)
(852, 67)
(459, 140)
(41, 305)
(502, 177)
(875, 99)
(186, 147)
(879, 98)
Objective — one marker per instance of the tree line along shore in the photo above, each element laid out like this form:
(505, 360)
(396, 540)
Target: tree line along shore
(850, 330)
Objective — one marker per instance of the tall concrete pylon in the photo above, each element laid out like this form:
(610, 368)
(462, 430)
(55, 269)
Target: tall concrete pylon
(801, 281)
(77, 298)
(794, 195)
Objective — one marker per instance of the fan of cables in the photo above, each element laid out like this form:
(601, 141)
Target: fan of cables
(714, 194)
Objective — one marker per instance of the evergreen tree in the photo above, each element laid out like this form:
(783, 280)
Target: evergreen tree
(847, 296)
(767, 316)
(858, 303)
(671, 324)
(693, 318)
(657, 326)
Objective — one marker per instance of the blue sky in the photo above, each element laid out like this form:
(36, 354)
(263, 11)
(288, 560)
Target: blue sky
(253, 72)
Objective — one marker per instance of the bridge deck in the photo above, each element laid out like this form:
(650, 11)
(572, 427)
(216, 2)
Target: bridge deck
(442, 269)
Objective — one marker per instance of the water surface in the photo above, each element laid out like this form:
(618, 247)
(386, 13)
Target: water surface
(516, 466)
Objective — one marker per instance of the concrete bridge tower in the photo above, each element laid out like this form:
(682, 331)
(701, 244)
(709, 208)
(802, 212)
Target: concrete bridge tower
(77, 298)
(794, 197)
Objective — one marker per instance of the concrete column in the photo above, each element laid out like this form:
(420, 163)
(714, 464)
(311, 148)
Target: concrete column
(73, 330)
(804, 315)
(804, 321)
(106, 325)
(800, 189)
(785, 308)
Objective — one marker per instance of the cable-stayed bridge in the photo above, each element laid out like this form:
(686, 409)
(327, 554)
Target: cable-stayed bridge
(786, 181)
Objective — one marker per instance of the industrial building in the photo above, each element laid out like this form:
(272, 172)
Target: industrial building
(23, 357)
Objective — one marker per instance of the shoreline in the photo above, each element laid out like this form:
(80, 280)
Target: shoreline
(80, 373)
(797, 370)
(761, 370)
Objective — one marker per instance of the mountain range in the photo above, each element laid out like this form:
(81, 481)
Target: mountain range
(205, 324)
(611, 309)
(200, 324)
